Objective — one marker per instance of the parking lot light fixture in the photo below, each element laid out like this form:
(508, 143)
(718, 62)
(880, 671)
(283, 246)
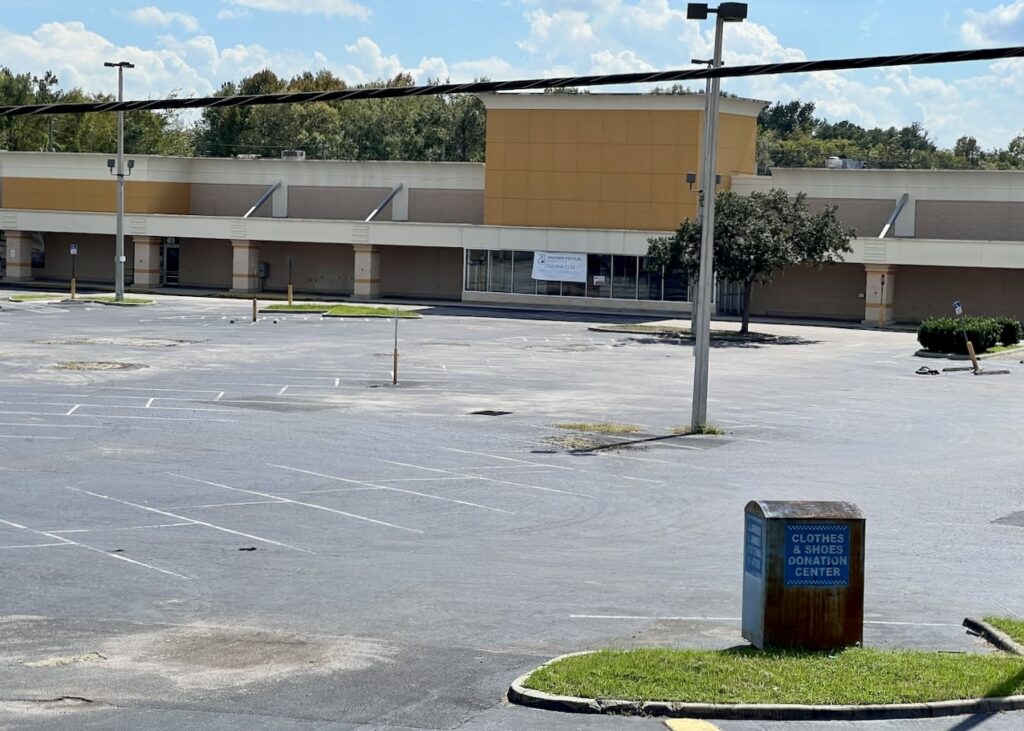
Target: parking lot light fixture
(119, 258)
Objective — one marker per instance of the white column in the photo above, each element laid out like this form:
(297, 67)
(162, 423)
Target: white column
(879, 288)
(19, 256)
(245, 261)
(147, 260)
(366, 282)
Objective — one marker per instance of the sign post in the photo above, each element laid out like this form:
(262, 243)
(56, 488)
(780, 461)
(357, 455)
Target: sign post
(958, 310)
(74, 256)
(289, 281)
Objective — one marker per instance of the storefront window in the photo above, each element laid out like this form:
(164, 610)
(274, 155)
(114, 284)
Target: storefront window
(676, 287)
(650, 280)
(574, 289)
(476, 270)
(599, 275)
(522, 273)
(546, 286)
(500, 272)
(624, 279)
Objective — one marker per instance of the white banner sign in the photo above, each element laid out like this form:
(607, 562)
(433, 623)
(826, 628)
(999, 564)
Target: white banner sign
(558, 266)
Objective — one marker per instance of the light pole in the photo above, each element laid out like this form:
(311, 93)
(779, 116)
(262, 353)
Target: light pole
(726, 13)
(119, 253)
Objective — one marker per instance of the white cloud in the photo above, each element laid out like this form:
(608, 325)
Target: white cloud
(226, 14)
(152, 15)
(555, 33)
(328, 8)
(1003, 24)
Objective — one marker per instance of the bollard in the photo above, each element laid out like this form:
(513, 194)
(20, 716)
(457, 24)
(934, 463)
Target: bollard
(289, 295)
(72, 288)
(254, 309)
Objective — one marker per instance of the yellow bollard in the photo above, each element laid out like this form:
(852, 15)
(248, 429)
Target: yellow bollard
(72, 288)
(289, 295)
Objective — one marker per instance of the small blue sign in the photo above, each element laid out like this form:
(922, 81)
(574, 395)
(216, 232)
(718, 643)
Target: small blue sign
(817, 554)
(957, 309)
(753, 546)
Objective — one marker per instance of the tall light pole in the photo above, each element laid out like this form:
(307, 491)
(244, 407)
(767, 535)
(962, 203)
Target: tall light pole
(726, 13)
(119, 253)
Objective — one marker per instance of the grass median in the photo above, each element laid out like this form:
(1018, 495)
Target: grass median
(1012, 627)
(332, 310)
(855, 676)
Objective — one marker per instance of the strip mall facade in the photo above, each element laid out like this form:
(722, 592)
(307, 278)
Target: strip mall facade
(595, 175)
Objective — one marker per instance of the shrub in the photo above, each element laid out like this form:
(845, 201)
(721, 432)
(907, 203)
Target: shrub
(1011, 331)
(946, 334)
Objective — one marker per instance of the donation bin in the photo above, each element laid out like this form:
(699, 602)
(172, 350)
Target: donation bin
(803, 574)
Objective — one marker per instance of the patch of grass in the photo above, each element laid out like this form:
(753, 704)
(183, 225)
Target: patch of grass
(36, 297)
(365, 311)
(710, 429)
(747, 675)
(1012, 627)
(307, 307)
(572, 442)
(598, 427)
(127, 301)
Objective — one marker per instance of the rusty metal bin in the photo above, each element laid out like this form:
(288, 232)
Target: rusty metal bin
(803, 574)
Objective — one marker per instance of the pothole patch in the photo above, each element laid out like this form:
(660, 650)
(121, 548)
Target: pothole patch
(125, 342)
(98, 365)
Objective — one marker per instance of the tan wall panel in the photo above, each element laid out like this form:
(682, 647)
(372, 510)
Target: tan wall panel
(346, 204)
(830, 292)
(412, 271)
(204, 263)
(976, 220)
(317, 268)
(53, 194)
(227, 200)
(94, 261)
(615, 164)
(923, 292)
(446, 206)
(867, 216)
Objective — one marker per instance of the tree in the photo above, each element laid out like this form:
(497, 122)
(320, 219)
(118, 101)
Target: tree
(755, 236)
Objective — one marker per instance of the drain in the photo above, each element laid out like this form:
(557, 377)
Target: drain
(489, 412)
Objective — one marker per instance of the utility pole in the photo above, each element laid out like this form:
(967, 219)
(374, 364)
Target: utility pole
(119, 258)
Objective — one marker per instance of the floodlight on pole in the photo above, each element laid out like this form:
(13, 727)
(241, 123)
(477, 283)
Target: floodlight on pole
(726, 13)
(119, 258)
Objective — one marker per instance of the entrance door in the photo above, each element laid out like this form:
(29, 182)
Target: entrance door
(169, 262)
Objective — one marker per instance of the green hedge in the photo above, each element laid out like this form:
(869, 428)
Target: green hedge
(946, 334)
(1011, 331)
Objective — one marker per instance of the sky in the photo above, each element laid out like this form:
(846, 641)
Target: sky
(190, 48)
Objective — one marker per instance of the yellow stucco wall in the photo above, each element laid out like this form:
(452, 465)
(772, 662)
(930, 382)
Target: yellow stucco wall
(593, 168)
(56, 194)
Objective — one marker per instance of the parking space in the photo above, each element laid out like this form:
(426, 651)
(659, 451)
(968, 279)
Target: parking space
(267, 479)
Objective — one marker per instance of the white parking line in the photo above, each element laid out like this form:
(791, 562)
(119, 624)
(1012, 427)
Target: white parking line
(30, 436)
(73, 409)
(95, 550)
(33, 545)
(281, 392)
(392, 489)
(231, 505)
(150, 402)
(185, 517)
(51, 426)
(299, 502)
(489, 479)
(111, 530)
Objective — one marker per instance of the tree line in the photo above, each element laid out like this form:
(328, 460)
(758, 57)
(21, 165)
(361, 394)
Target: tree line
(428, 128)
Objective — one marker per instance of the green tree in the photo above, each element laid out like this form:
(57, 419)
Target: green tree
(756, 235)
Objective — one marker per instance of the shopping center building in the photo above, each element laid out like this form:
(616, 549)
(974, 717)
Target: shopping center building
(579, 180)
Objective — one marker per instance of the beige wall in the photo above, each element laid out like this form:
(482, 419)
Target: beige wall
(923, 292)
(317, 268)
(347, 204)
(204, 263)
(446, 206)
(227, 200)
(976, 220)
(830, 292)
(867, 216)
(409, 271)
(57, 194)
(95, 258)
(598, 168)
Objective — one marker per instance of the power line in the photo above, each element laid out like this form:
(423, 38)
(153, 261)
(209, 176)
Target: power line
(484, 87)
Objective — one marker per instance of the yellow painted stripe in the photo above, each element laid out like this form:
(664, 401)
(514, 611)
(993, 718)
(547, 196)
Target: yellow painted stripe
(690, 724)
(366, 281)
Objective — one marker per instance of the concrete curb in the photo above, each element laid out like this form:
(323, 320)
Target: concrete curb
(518, 693)
(994, 636)
(957, 356)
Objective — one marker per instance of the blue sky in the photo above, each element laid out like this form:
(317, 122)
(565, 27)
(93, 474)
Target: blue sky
(190, 48)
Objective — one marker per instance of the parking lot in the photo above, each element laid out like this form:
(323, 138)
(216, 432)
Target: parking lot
(246, 525)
